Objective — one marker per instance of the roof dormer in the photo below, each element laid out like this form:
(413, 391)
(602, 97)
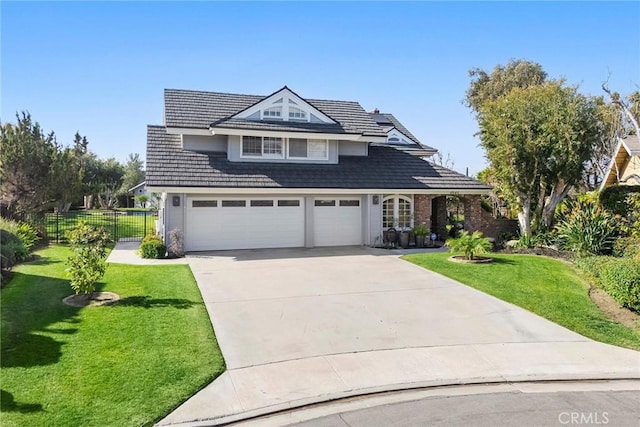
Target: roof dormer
(284, 105)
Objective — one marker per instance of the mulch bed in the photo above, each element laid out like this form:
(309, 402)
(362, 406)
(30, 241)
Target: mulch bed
(95, 299)
(613, 310)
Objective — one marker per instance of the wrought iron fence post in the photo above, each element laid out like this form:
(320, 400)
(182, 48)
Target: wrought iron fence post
(144, 218)
(57, 227)
(115, 226)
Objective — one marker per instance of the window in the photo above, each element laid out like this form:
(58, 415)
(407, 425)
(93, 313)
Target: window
(394, 139)
(311, 148)
(272, 113)
(257, 146)
(204, 204)
(234, 203)
(324, 203)
(252, 146)
(297, 147)
(397, 212)
(261, 203)
(297, 114)
(272, 146)
(347, 203)
(288, 203)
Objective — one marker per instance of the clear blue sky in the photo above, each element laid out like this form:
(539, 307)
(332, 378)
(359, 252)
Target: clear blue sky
(101, 68)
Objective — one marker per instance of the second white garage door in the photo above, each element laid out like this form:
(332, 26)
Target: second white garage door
(243, 223)
(337, 221)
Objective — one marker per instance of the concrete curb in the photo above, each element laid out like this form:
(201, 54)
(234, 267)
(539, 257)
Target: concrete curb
(372, 391)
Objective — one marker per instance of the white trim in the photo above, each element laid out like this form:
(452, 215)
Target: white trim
(396, 209)
(403, 139)
(307, 191)
(286, 94)
(187, 131)
(605, 178)
(288, 134)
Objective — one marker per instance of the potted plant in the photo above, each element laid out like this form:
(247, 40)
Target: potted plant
(420, 231)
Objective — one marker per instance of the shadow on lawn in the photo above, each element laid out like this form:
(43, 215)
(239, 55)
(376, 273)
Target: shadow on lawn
(144, 301)
(29, 308)
(8, 404)
(502, 261)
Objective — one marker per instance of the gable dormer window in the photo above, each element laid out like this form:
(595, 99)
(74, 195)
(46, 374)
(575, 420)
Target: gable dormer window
(297, 114)
(272, 113)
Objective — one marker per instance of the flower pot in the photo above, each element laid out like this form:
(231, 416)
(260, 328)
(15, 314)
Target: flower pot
(420, 241)
(404, 239)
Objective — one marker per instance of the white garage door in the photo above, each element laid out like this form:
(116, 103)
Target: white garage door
(244, 223)
(337, 221)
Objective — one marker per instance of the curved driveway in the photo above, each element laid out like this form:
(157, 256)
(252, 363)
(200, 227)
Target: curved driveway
(298, 326)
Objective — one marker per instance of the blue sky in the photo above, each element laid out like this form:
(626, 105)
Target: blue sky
(101, 68)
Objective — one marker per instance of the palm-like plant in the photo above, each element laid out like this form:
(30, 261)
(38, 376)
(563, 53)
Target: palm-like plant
(470, 244)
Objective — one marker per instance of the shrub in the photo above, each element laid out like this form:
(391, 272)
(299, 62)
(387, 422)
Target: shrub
(470, 244)
(620, 278)
(152, 247)
(28, 235)
(587, 228)
(176, 243)
(614, 198)
(8, 225)
(87, 264)
(592, 265)
(626, 247)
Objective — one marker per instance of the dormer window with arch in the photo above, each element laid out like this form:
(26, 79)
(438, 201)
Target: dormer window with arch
(297, 114)
(286, 106)
(272, 113)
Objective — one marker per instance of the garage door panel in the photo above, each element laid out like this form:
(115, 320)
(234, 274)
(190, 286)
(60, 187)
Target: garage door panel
(245, 227)
(337, 221)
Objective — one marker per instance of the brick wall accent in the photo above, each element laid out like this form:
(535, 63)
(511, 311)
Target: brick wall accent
(476, 218)
(422, 209)
(440, 216)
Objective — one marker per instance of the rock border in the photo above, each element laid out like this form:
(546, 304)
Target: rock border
(96, 299)
(478, 260)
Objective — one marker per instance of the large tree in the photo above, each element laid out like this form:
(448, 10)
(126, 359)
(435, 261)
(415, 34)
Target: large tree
(26, 156)
(537, 139)
(133, 173)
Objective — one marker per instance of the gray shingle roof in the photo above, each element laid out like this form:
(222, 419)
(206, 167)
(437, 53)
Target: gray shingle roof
(388, 121)
(168, 165)
(633, 144)
(197, 109)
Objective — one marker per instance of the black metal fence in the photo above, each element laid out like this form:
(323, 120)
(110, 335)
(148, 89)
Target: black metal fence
(123, 225)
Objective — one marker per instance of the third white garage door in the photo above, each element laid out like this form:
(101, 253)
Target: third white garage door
(337, 221)
(215, 223)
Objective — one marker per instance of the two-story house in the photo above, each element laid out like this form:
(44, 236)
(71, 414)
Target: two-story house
(244, 172)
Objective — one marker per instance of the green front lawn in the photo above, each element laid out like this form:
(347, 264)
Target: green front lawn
(541, 285)
(126, 364)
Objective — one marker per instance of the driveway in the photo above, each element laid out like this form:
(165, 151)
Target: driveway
(304, 325)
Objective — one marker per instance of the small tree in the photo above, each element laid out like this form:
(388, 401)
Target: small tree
(142, 199)
(470, 244)
(87, 264)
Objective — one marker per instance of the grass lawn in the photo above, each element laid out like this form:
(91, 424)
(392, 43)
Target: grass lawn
(541, 285)
(124, 223)
(128, 364)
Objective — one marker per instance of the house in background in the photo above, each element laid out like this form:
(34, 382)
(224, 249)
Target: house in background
(625, 164)
(243, 172)
(141, 190)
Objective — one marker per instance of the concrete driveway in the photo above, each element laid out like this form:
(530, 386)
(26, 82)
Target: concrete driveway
(306, 325)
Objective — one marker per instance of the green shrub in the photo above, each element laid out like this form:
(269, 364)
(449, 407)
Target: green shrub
(470, 244)
(592, 265)
(620, 278)
(614, 198)
(152, 247)
(626, 247)
(8, 225)
(587, 228)
(87, 264)
(28, 235)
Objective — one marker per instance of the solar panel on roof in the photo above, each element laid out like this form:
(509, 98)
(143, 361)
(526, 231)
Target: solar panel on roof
(380, 119)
